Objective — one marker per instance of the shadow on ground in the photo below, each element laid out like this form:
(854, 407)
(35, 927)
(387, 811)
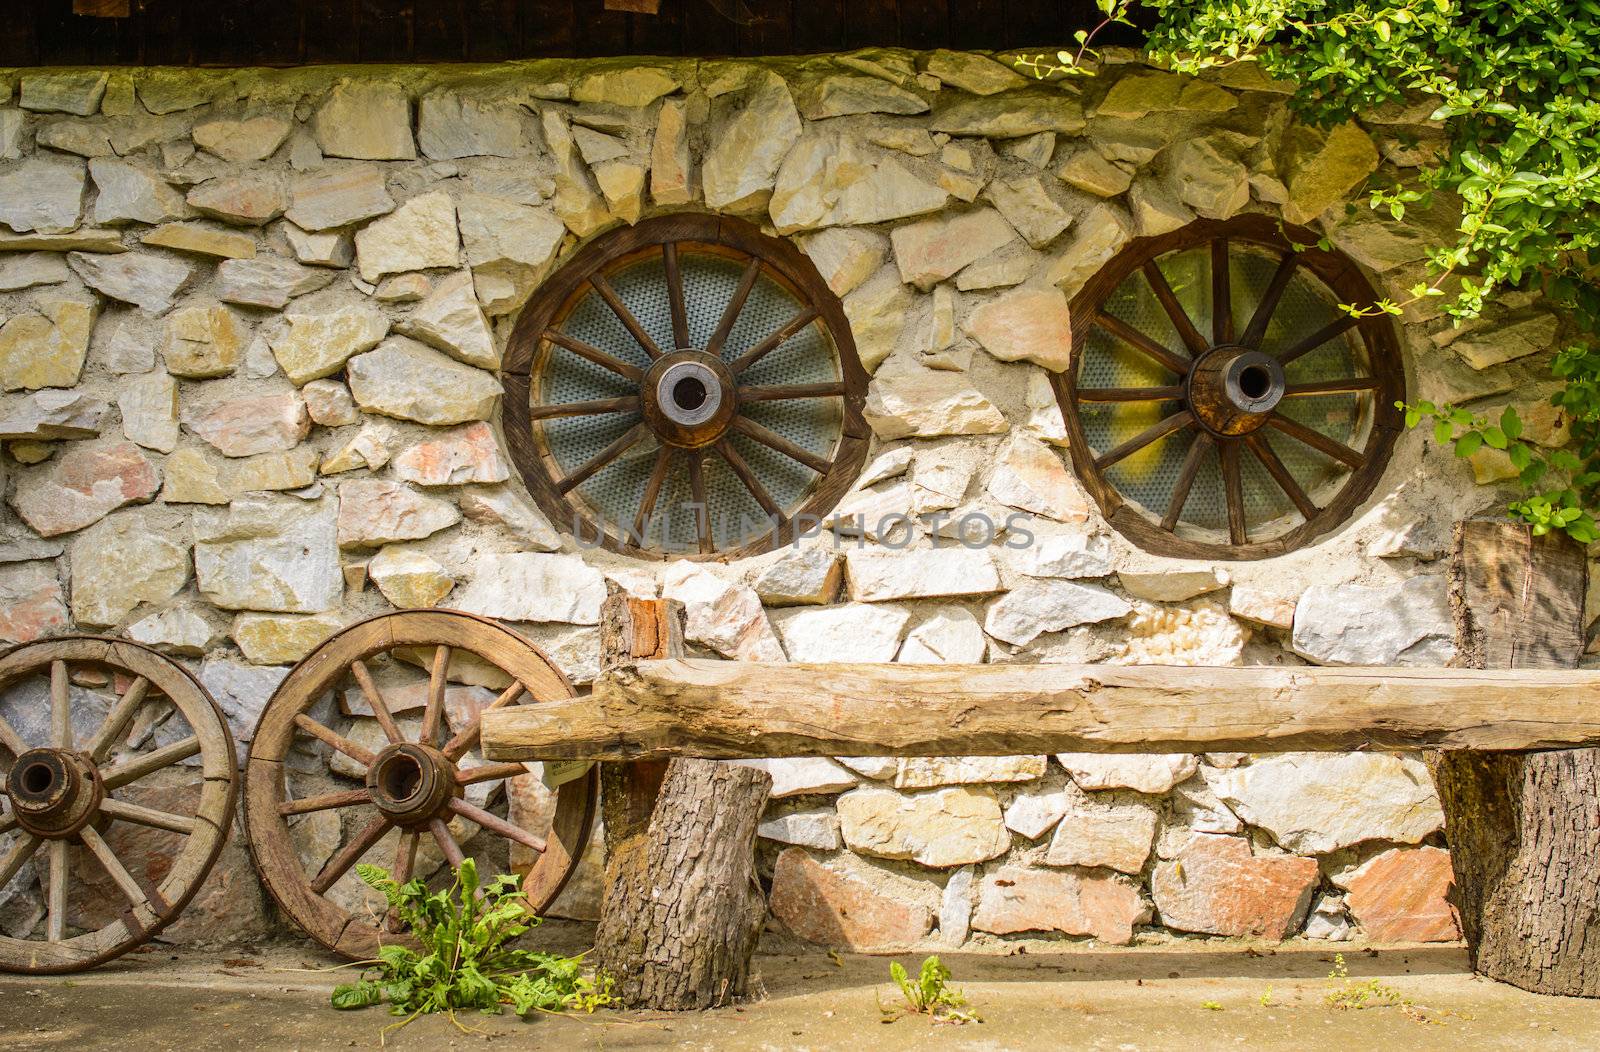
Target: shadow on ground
(1148, 998)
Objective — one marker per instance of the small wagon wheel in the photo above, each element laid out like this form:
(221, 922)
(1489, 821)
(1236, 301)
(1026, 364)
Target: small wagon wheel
(423, 789)
(118, 714)
(686, 387)
(1220, 403)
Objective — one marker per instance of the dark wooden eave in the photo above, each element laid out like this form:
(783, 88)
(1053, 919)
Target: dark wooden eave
(300, 32)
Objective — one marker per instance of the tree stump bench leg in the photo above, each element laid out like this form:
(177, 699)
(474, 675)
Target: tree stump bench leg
(1524, 828)
(682, 909)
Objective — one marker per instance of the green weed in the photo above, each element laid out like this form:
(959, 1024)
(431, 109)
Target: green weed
(930, 994)
(463, 961)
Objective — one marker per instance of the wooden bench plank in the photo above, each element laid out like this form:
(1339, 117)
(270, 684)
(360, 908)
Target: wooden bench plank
(728, 709)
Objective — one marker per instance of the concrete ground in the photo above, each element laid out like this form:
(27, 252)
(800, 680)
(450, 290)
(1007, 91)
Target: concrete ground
(1149, 998)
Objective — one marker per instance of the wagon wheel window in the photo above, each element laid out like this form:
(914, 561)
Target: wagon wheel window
(1220, 403)
(687, 386)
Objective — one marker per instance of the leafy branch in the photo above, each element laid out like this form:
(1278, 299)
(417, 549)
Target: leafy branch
(1516, 86)
(1068, 63)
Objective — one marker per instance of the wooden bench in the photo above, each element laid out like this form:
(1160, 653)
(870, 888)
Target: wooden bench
(1511, 737)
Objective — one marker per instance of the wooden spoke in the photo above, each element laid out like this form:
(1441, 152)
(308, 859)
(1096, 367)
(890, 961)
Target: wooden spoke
(784, 392)
(147, 816)
(774, 341)
(10, 739)
(773, 440)
(1317, 441)
(730, 314)
(350, 854)
(334, 740)
(697, 494)
(1318, 338)
(495, 824)
(325, 802)
(1128, 394)
(595, 355)
(1181, 419)
(60, 706)
(1180, 318)
(1186, 475)
(405, 855)
(467, 738)
(113, 866)
(627, 440)
(1262, 317)
(652, 492)
(1221, 293)
(1351, 385)
(446, 842)
(433, 715)
(56, 892)
(133, 769)
(1262, 448)
(1141, 343)
(757, 490)
(21, 851)
(489, 772)
(1233, 490)
(115, 725)
(593, 407)
(625, 316)
(680, 315)
(380, 707)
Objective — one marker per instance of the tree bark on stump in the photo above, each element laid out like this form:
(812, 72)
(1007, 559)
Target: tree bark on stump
(1523, 828)
(682, 908)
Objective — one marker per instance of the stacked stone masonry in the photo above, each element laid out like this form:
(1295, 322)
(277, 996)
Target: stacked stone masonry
(249, 328)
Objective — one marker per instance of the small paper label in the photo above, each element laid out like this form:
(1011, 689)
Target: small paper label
(560, 772)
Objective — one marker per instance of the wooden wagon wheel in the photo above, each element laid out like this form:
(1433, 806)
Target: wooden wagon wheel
(1220, 402)
(687, 386)
(72, 787)
(413, 786)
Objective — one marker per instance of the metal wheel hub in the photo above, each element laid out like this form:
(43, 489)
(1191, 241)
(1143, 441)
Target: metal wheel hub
(689, 398)
(411, 783)
(54, 792)
(1233, 390)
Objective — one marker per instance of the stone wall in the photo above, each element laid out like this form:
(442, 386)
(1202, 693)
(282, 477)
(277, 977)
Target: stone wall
(250, 326)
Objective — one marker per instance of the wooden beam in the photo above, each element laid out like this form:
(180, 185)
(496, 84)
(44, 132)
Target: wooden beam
(101, 8)
(728, 709)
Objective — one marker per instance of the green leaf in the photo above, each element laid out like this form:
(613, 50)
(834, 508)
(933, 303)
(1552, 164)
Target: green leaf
(1442, 432)
(1468, 444)
(363, 993)
(1494, 437)
(1510, 423)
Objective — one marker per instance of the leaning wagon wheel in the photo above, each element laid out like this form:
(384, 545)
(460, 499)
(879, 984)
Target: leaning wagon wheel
(72, 791)
(1220, 402)
(687, 386)
(415, 785)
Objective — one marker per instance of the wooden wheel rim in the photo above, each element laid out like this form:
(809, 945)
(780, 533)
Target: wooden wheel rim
(1215, 435)
(212, 819)
(268, 835)
(682, 448)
